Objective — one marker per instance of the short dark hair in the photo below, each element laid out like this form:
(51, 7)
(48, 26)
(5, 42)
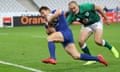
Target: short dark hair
(72, 2)
(43, 8)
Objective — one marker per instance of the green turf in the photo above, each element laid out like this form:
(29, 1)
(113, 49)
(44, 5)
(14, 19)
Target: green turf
(27, 46)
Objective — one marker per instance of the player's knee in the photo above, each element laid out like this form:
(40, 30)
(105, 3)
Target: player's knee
(98, 42)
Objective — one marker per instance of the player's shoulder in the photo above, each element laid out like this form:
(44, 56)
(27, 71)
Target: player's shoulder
(86, 4)
(59, 11)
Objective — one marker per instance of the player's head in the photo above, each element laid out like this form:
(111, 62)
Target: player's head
(74, 7)
(44, 11)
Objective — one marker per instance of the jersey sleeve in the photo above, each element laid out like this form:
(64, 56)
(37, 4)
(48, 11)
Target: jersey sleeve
(69, 19)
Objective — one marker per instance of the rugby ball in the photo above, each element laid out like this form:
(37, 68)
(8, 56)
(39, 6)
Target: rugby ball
(54, 22)
(49, 16)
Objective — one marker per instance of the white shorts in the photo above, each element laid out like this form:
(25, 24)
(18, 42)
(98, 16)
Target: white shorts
(93, 27)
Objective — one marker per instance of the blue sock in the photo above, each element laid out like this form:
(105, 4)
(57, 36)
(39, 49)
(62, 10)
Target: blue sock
(51, 47)
(87, 57)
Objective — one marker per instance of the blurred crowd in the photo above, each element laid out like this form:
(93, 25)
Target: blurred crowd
(117, 9)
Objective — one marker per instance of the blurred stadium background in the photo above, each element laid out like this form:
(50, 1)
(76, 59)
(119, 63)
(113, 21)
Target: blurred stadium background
(11, 11)
(22, 37)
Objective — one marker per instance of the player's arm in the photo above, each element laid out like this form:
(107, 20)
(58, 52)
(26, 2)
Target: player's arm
(100, 10)
(49, 29)
(55, 16)
(69, 18)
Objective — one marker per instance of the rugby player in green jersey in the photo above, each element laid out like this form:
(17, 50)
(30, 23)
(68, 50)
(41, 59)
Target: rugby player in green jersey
(88, 15)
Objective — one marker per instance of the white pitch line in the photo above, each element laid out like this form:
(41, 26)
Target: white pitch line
(20, 66)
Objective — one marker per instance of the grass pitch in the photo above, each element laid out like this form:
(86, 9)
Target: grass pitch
(27, 46)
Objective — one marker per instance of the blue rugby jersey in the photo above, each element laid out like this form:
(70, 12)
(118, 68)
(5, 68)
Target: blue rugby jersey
(61, 23)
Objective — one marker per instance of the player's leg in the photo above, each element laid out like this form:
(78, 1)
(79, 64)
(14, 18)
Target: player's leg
(83, 36)
(71, 50)
(98, 33)
(101, 42)
(54, 37)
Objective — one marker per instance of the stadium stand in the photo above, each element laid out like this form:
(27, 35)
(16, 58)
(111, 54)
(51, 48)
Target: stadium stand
(16, 6)
(11, 6)
(62, 4)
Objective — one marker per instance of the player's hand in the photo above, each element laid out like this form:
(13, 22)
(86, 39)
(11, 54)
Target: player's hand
(85, 20)
(107, 21)
(76, 22)
(50, 30)
(43, 21)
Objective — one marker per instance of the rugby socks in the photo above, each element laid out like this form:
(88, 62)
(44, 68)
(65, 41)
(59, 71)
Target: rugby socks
(85, 49)
(106, 44)
(51, 47)
(87, 57)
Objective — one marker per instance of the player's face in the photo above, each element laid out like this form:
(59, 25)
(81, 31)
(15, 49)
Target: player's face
(44, 13)
(74, 8)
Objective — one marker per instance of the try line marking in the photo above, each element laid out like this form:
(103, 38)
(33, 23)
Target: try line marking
(20, 66)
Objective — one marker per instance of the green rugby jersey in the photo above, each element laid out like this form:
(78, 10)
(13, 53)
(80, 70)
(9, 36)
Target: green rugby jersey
(87, 10)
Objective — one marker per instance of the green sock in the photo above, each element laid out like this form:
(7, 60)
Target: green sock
(107, 45)
(86, 50)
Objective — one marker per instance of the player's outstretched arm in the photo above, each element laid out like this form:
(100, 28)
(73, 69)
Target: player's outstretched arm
(99, 9)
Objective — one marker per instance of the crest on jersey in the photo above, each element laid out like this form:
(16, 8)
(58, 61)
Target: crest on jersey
(87, 14)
